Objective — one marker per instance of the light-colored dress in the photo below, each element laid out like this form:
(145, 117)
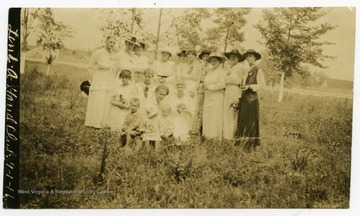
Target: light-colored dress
(125, 61)
(141, 64)
(118, 115)
(190, 73)
(102, 63)
(144, 92)
(167, 70)
(232, 94)
(214, 103)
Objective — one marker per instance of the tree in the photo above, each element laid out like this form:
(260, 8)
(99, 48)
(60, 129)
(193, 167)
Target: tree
(52, 34)
(228, 24)
(28, 16)
(189, 32)
(120, 22)
(292, 38)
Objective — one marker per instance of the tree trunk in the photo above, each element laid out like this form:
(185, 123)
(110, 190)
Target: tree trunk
(226, 37)
(281, 90)
(48, 70)
(158, 35)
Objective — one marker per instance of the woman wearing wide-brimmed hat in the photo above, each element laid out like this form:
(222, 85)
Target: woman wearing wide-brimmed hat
(165, 69)
(197, 120)
(141, 62)
(248, 130)
(214, 85)
(101, 67)
(126, 57)
(190, 73)
(235, 68)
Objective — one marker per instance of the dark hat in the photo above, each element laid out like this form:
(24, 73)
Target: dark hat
(237, 53)
(203, 53)
(85, 87)
(253, 52)
(217, 55)
(143, 45)
(182, 53)
(131, 39)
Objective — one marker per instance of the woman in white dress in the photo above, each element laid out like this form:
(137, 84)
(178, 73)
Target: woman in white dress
(214, 85)
(141, 62)
(101, 67)
(235, 69)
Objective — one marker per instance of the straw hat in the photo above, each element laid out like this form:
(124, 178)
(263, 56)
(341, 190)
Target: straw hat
(217, 55)
(204, 52)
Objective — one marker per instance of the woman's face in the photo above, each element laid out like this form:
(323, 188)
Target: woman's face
(233, 58)
(137, 49)
(110, 43)
(191, 56)
(215, 62)
(165, 56)
(160, 95)
(250, 58)
(204, 57)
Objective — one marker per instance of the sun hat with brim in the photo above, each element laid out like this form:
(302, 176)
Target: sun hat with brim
(204, 52)
(85, 87)
(182, 53)
(217, 55)
(236, 53)
(253, 52)
(151, 110)
(131, 39)
(143, 45)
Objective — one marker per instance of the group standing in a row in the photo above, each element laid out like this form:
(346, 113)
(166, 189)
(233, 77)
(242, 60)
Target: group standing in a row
(198, 95)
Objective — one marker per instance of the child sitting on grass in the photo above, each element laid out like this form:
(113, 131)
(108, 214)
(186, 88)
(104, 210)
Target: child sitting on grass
(166, 123)
(182, 123)
(131, 128)
(151, 127)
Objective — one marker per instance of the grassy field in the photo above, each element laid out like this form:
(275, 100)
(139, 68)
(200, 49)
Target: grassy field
(303, 161)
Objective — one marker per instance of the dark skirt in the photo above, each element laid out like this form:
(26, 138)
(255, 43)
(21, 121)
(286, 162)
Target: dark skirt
(247, 131)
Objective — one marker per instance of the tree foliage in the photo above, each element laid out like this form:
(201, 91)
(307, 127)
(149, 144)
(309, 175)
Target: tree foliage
(189, 31)
(228, 24)
(292, 37)
(51, 33)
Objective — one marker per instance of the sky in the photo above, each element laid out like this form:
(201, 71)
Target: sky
(84, 22)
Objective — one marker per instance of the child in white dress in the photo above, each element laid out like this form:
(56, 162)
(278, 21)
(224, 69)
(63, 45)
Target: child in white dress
(151, 127)
(166, 123)
(121, 96)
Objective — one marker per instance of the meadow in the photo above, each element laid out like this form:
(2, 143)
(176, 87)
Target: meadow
(303, 162)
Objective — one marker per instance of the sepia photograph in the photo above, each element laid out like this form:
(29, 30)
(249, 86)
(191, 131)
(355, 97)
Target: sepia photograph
(179, 108)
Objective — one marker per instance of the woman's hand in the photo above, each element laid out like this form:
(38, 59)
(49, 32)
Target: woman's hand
(245, 87)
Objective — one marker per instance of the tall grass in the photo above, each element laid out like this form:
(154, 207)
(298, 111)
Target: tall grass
(303, 160)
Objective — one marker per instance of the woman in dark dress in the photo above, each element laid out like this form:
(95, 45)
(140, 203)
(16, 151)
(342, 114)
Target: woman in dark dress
(248, 131)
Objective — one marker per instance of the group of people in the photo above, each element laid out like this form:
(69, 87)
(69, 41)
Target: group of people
(211, 94)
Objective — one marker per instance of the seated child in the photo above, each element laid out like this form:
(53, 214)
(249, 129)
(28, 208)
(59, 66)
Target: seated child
(166, 122)
(151, 127)
(130, 130)
(182, 123)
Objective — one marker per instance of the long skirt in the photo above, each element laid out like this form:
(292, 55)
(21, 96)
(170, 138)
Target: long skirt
(198, 115)
(213, 114)
(248, 132)
(98, 108)
(232, 93)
